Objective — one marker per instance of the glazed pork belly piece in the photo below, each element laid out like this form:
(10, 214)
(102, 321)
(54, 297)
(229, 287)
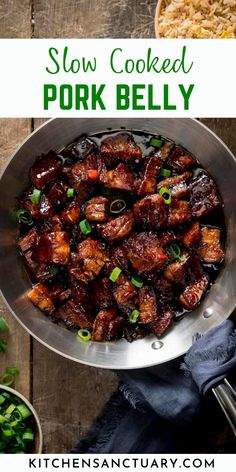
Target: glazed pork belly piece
(164, 152)
(144, 252)
(147, 305)
(40, 211)
(193, 293)
(176, 184)
(210, 249)
(147, 182)
(181, 160)
(71, 213)
(46, 170)
(40, 296)
(120, 178)
(118, 258)
(115, 328)
(97, 209)
(53, 248)
(86, 173)
(161, 323)
(76, 315)
(102, 322)
(81, 148)
(166, 237)
(28, 241)
(57, 193)
(151, 211)
(91, 257)
(179, 213)
(192, 235)
(203, 195)
(102, 294)
(176, 271)
(124, 290)
(118, 228)
(80, 291)
(120, 147)
(133, 332)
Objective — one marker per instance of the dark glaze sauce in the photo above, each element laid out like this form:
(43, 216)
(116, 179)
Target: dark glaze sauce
(215, 219)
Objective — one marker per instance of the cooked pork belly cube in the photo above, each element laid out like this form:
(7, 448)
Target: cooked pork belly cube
(115, 328)
(56, 223)
(147, 305)
(71, 213)
(164, 152)
(195, 269)
(176, 184)
(101, 324)
(57, 193)
(169, 236)
(117, 229)
(84, 174)
(43, 209)
(146, 183)
(79, 290)
(192, 294)
(144, 252)
(203, 195)
(53, 248)
(46, 170)
(40, 297)
(102, 293)
(133, 332)
(30, 261)
(28, 241)
(192, 235)
(164, 288)
(176, 271)
(179, 213)
(75, 315)
(120, 178)
(118, 258)
(124, 290)
(210, 249)
(162, 322)
(151, 211)
(181, 160)
(120, 147)
(97, 209)
(81, 148)
(92, 255)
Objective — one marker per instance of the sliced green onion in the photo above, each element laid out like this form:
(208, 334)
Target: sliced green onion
(70, 192)
(2, 399)
(175, 252)
(115, 274)
(117, 206)
(84, 335)
(2, 419)
(155, 142)
(10, 409)
(3, 325)
(165, 172)
(16, 416)
(106, 192)
(28, 435)
(24, 216)
(133, 317)
(166, 195)
(7, 379)
(7, 430)
(36, 196)
(12, 371)
(137, 282)
(23, 410)
(85, 227)
(3, 346)
(53, 270)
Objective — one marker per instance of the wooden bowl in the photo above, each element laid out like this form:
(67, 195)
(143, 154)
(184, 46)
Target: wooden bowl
(157, 15)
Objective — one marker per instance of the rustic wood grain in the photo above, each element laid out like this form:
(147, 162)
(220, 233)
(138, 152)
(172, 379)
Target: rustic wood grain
(12, 132)
(15, 18)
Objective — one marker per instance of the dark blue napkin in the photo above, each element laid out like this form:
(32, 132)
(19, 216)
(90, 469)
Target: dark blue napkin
(161, 409)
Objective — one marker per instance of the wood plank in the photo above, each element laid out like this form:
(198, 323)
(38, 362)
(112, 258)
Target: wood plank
(12, 132)
(15, 19)
(94, 19)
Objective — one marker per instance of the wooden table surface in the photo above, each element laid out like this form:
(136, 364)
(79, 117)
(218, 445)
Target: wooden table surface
(63, 392)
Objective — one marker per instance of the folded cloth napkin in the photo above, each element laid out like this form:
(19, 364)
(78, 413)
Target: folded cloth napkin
(160, 409)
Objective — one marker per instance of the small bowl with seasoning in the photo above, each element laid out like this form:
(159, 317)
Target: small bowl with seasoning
(20, 429)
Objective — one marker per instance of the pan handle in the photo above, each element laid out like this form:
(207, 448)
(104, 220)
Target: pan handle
(226, 396)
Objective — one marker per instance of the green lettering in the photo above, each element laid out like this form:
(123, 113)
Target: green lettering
(81, 96)
(51, 54)
(122, 97)
(49, 94)
(112, 61)
(151, 105)
(96, 97)
(166, 99)
(66, 98)
(136, 96)
(186, 94)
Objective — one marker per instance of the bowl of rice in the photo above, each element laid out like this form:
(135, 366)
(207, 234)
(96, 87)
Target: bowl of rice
(211, 19)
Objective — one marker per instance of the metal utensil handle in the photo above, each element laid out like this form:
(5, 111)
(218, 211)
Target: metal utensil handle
(226, 396)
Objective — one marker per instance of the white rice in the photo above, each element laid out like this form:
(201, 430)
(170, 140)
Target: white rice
(197, 19)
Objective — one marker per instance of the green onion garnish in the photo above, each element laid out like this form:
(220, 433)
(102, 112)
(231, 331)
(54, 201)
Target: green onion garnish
(28, 435)
(53, 270)
(117, 206)
(10, 409)
(166, 195)
(155, 142)
(24, 216)
(3, 346)
(70, 192)
(24, 411)
(7, 379)
(36, 196)
(133, 317)
(175, 252)
(115, 274)
(106, 192)
(165, 172)
(85, 227)
(3, 325)
(2, 399)
(137, 282)
(12, 371)
(84, 335)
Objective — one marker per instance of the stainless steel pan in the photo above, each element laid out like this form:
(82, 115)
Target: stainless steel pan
(14, 281)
